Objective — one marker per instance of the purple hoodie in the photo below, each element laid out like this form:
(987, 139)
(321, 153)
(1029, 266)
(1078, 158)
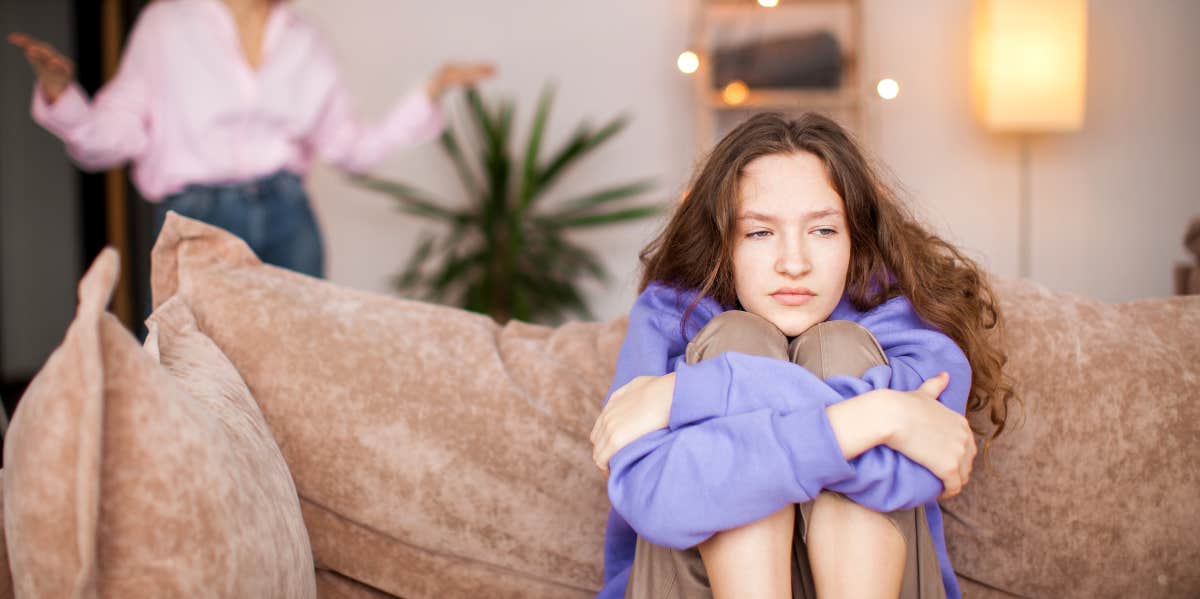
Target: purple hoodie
(748, 435)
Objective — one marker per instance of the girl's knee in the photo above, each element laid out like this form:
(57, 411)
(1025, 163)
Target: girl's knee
(836, 347)
(737, 331)
(839, 513)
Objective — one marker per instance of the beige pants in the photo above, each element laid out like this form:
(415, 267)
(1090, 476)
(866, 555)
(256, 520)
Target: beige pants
(829, 348)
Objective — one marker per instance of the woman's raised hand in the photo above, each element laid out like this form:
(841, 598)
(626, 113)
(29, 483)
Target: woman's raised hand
(53, 70)
(638, 407)
(931, 434)
(456, 74)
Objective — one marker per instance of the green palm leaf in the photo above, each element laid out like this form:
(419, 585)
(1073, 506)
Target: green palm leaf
(590, 201)
(578, 145)
(529, 178)
(605, 218)
(410, 277)
(412, 200)
(499, 255)
(452, 149)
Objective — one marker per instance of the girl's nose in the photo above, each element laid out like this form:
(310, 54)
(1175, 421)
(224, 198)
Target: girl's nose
(793, 261)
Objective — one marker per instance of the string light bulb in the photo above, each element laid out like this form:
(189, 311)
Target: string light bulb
(768, 3)
(735, 93)
(688, 62)
(888, 89)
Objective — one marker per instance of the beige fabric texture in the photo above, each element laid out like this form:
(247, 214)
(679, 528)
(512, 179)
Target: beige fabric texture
(331, 585)
(123, 481)
(1096, 493)
(435, 453)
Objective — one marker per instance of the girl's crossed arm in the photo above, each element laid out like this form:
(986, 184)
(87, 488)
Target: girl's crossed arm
(758, 418)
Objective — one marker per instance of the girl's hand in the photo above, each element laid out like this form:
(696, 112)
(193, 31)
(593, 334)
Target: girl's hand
(638, 407)
(53, 70)
(931, 434)
(453, 75)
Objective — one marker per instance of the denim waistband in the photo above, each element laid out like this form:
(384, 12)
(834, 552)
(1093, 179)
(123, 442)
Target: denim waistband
(264, 184)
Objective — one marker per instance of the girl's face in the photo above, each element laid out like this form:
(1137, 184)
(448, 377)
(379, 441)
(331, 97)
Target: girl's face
(793, 245)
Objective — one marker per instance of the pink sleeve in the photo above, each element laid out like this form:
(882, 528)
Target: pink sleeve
(112, 128)
(355, 147)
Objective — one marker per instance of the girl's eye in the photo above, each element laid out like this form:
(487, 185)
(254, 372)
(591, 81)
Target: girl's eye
(757, 234)
(825, 232)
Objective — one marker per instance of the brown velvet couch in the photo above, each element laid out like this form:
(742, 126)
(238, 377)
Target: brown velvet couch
(278, 436)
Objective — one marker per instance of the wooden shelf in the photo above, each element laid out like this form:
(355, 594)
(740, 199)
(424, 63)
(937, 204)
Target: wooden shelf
(789, 98)
(748, 5)
(721, 23)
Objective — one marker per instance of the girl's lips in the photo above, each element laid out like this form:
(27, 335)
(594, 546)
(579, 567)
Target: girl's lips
(792, 299)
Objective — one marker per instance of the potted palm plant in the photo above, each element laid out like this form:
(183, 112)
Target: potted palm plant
(507, 253)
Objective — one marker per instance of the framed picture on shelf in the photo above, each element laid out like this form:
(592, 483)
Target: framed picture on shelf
(789, 56)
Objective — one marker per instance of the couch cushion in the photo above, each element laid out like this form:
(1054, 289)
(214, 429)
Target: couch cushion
(1095, 492)
(331, 585)
(122, 480)
(435, 453)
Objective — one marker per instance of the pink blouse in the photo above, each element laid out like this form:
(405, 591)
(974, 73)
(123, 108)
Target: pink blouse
(187, 108)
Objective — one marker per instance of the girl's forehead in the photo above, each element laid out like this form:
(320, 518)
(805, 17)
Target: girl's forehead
(785, 184)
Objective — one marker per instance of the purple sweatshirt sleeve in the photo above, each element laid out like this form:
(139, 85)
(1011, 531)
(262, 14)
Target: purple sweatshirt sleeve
(654, 341)
(677, 488)
(883, 479)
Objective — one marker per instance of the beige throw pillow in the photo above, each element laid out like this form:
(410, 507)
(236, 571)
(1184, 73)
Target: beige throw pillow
(122, 480)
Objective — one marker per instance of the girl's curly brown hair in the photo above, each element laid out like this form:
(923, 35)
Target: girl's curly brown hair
(891, 253)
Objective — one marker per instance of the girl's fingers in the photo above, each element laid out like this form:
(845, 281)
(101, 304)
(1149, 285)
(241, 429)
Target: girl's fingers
(953, 486)
(933, 387)
(966, 465)
(596, 428)
(600, 457)
(596, 455)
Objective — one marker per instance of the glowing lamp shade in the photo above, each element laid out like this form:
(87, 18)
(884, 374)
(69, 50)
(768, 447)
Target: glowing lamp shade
(1028, 64)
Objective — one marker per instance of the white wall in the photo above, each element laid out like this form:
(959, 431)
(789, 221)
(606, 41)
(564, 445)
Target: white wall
(1110, 201)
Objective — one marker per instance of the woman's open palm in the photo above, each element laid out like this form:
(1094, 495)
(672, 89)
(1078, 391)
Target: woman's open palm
(452, 75)
(53, 70)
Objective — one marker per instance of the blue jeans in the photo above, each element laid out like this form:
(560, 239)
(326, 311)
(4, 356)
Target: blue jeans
(271, 214)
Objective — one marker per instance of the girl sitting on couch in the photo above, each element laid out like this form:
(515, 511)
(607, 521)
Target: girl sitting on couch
(774, 427)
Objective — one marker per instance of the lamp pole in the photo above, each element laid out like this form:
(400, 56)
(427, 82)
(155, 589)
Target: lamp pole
(1024, 211)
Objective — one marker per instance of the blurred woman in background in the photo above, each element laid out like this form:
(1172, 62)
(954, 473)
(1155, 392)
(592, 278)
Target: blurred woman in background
(222, 106)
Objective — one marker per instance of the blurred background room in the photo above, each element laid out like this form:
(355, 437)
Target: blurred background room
(1088, 190)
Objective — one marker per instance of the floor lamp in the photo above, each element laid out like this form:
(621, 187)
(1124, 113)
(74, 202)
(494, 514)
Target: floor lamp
(1028, 75)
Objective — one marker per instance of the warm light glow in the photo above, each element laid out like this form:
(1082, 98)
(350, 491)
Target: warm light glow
(888, 89)
(768, 3)
(735, 93)
(688, 62)
(1028, 64)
